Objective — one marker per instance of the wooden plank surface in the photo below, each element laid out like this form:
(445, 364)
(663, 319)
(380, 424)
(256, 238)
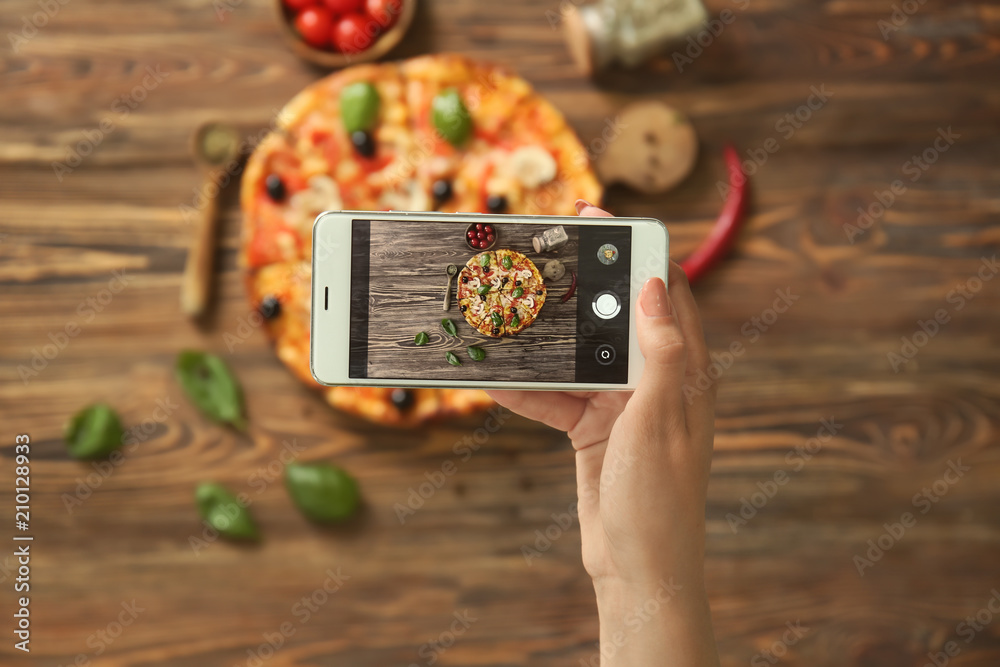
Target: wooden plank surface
(407, 286)
(826, 357)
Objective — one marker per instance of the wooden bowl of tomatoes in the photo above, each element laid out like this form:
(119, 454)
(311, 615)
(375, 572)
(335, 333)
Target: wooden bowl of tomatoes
(337, 33)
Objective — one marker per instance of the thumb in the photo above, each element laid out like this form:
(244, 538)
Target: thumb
(660, 390)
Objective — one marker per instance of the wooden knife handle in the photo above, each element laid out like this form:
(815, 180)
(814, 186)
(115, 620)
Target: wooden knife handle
(197, 280)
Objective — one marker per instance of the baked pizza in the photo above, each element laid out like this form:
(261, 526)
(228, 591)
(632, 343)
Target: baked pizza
(500, 293)
(435, 133)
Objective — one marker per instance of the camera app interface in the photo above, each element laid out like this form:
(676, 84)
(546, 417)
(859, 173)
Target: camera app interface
(489, 301)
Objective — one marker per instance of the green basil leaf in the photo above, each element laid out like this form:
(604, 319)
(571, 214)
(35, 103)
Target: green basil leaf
(321, 491)
(476, 353)
(359, 104)
(483, 289)
(497, 319)
(93, 432)
(211, 386)
(484, 261)
(451, 117)
(449, 327)
(515, 321)
(224, 512)
(518, 292)
(506, 263)
(453, 359)
(421, 339)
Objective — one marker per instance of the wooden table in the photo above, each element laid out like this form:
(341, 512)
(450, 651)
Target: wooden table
(92, 261)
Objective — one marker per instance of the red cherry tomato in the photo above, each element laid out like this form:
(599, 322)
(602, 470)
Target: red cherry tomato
(385, 12)
(313, 23)
(490, 238)
(488, 229)
(471, 234)
(353, 33)
(479, 226)
(344, 6)
(297, 6)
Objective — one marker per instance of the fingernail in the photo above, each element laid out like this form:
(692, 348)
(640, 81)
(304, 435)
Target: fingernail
(582, 204)
(654, 299)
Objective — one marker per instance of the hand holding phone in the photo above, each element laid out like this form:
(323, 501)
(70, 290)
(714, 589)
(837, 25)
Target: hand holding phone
(539, 302)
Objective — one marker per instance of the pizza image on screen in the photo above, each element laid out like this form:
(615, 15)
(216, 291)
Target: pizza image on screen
(500, 293)
(434, 133)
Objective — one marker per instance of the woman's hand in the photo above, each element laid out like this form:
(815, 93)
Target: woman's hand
(642, 463)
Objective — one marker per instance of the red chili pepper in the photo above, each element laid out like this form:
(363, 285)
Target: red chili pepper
(726, 227)
(571, 291)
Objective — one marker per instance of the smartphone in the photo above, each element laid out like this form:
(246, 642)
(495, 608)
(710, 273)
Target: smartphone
(388, 312)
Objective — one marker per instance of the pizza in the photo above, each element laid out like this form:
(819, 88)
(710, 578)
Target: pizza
(434, 133)
(500, 293)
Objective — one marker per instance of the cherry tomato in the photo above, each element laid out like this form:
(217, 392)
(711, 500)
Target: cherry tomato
(353, 33)
(488, 229)
(479, 226)
(344, 6)
(385, 12)
(313, 23)
(297, 6)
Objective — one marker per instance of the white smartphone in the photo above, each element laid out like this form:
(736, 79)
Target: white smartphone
(531, 302)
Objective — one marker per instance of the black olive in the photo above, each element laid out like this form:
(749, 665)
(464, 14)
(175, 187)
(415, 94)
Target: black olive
(538, 292)
(269, 307)
(513, 309)
(496, 203)
(403, 399)
(482, 297)
(517, 283)
(363, 143)
(441, 191)
(465, 279)
(503, 281)
(275, 187)
(496, 331)
(463, 308)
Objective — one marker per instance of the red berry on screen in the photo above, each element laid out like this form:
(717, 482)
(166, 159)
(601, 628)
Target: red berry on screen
(471, 234)
(488, 229)
(479, 226)
(298, 5)
(385, 12)
(351, 33)
(344, 6)
(480, 235)
(490, 237)
(313, 23)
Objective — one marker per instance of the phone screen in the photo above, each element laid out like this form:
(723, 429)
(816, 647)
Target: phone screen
(526, 327)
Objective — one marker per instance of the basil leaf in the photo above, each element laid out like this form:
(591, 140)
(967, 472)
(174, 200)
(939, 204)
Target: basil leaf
(497, 319)
(359, 104)
(449, 327)
(483, 289)
(211, 386)
(476, 353)
(321, 491)
(518, 292)
(453, 359)
(451, 117)
(506, 263)
(514, 321)
(484, 261)
(224, 512)
(93, 432)
(421, 339)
